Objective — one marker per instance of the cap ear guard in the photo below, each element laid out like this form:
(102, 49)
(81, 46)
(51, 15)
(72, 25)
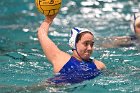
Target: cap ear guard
(74, 32)
(132, 23)
(72, 40)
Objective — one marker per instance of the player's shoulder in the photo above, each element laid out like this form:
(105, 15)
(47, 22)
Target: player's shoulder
(100, 65)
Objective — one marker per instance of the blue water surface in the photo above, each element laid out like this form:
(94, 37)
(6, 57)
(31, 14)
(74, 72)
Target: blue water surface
(23, 63)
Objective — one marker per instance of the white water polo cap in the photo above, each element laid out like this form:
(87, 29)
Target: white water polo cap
(134, 20)
(74, 32)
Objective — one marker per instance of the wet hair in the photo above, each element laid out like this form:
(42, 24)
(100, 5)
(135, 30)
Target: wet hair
(79, 36)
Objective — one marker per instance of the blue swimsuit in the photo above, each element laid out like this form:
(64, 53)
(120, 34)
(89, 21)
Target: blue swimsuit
(75, 71)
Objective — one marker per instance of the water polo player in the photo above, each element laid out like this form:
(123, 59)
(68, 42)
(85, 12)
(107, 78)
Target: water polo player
(73, 68)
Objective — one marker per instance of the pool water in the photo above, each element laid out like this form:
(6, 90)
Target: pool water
(22, 61)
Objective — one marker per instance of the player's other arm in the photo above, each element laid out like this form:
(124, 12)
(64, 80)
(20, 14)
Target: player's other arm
(57, 57)
(50, 49)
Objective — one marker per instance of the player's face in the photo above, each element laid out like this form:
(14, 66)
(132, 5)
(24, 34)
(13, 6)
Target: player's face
(85, 46)
(137, 26)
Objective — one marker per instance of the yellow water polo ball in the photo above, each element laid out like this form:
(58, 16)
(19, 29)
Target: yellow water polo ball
(48, 7)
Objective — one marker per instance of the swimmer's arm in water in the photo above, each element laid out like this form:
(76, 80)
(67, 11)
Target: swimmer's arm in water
(57, 57)
(124, 40)
(116, 42)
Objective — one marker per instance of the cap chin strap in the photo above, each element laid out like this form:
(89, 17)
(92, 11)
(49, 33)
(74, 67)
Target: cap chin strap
(134, 23)
(79, 55)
